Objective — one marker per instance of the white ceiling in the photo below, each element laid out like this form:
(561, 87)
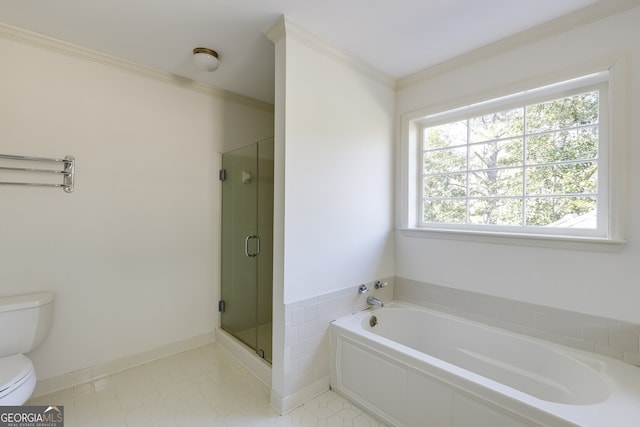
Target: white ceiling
(397, 37)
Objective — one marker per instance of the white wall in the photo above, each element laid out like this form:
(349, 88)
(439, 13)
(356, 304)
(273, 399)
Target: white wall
(338, 195)
(132, 252)
(594, 282)
(333, 187)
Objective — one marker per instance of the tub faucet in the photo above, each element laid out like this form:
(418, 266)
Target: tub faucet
(374, 302)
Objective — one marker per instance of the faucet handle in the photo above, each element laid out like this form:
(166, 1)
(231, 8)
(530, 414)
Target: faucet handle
(380, 285)
(363, 288)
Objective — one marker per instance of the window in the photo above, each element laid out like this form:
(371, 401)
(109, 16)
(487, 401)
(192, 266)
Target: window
(532, 163)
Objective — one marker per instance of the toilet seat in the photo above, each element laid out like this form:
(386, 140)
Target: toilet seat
(17, 379)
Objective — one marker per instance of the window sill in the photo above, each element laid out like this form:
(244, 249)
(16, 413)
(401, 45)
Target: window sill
(501, 238)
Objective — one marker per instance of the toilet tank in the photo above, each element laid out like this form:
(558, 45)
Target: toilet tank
(25, 321)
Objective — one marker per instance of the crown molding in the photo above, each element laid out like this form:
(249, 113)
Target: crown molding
(592, 13)
(285, 28)
(278, 31)
(40, 41)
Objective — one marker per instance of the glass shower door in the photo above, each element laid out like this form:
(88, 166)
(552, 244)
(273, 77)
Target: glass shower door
(246, 239)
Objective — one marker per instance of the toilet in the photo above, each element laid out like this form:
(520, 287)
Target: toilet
(25, 321)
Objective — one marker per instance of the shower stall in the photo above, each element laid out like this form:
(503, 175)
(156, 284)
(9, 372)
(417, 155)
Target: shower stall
(247, 245)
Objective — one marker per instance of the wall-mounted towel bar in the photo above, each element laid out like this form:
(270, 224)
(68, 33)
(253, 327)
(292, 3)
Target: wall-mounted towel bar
(67, 171)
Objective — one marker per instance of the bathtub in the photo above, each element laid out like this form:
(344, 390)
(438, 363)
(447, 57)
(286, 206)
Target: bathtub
(412, 366)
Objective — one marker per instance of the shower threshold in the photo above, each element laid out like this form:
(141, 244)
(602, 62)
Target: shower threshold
(245, 355)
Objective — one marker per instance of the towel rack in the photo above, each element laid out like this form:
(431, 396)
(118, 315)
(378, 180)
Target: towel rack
(67, 171)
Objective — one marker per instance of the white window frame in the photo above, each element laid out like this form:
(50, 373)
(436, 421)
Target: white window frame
(610, 79)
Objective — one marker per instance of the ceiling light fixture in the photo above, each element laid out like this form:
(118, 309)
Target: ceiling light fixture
(206, 59)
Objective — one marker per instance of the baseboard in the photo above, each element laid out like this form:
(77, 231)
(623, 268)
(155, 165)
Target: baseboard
(244, 355)
(93, 373)
(291, 402)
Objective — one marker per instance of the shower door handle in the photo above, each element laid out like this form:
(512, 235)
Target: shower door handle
(257, 252)
(246, 246)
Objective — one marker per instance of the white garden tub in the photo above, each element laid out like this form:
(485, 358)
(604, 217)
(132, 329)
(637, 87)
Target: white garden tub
(419, 367)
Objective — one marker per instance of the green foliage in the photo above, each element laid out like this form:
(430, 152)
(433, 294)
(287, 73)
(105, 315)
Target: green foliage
(496, 126)
(537, 162)
(496, 211)
(545, 211)
(450, 185)
(573, 111)
(578, 144)
(445, 211)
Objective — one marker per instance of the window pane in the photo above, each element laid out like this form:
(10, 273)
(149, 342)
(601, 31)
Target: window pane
(448, 160)
(530, 159)
(447, 135)
(495, 211)
(504, 124)
(579, 144)
(496, 154)
(445, 211)
(495, 182)
(571, 212)
(446, 185)
(571, 178)
(578, 110)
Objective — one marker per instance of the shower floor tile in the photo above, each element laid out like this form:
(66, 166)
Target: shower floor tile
(201, 387)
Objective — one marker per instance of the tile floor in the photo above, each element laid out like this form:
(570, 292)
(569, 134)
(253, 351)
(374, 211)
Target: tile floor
(201, 387)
